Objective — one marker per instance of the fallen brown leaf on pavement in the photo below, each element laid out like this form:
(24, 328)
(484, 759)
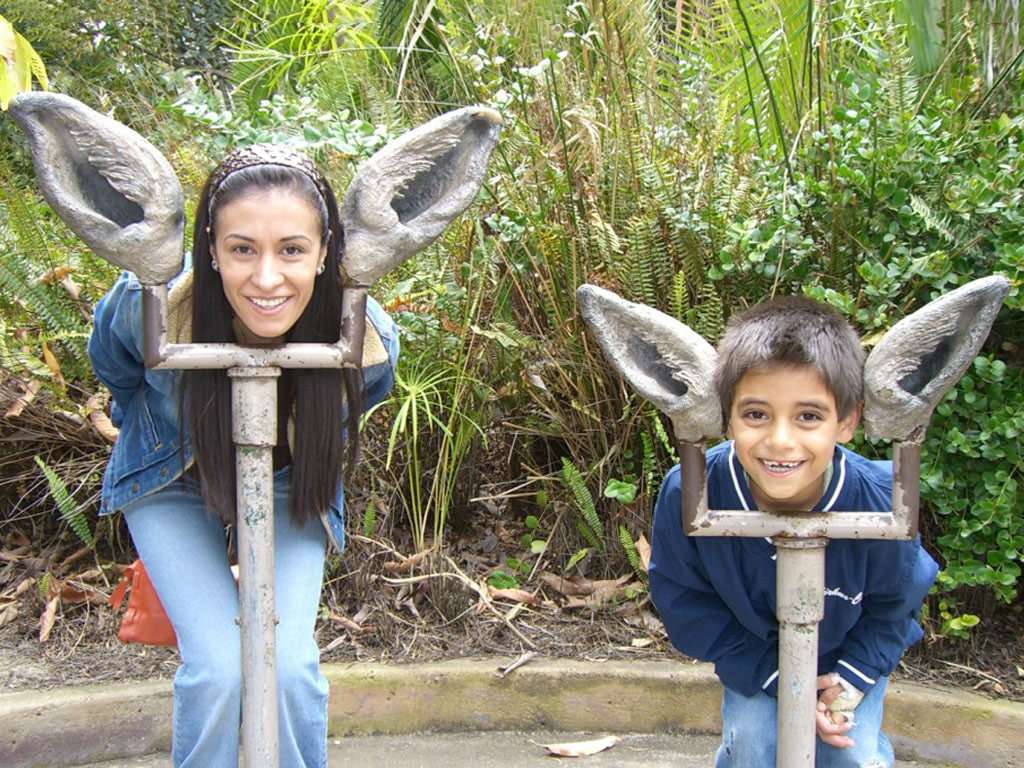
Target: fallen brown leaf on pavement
(581, 748)
(523, 659)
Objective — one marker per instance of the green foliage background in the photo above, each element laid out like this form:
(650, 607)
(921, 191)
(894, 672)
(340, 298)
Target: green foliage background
(696, 157)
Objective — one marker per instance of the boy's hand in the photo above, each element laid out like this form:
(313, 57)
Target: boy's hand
(831, 727)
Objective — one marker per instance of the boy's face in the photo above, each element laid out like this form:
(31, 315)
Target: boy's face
(785, 427)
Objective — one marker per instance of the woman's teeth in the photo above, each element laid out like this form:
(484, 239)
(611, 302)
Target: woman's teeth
(266, 303)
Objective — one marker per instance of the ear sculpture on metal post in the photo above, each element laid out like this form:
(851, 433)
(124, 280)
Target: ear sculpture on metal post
(121, 196)
(905, 376)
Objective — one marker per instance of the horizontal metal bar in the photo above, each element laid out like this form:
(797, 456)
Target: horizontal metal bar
(197, 356)
(832, 525)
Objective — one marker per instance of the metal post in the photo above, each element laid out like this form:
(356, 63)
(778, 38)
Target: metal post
(254, 430)
(799, 606)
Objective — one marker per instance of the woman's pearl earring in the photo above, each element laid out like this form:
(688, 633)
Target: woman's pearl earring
(213, 265)
(320, 269)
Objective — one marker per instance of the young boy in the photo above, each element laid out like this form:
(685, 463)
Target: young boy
(789, 379)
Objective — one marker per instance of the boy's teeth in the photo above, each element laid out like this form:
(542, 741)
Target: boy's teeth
(781, 464)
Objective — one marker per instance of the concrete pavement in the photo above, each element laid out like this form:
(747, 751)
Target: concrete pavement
(498, 749)
(674, 702)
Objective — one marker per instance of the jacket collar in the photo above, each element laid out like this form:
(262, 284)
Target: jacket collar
(741, 488)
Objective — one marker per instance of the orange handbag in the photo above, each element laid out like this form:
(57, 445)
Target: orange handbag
(145, 620)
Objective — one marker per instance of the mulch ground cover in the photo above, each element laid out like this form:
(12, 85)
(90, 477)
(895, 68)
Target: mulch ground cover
(382, 604)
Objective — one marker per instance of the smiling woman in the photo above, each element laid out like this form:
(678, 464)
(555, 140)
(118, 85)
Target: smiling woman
(268, 249)
(266, 253)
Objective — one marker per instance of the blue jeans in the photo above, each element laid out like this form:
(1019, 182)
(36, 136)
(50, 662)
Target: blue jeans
(749, 734)
(185, 554)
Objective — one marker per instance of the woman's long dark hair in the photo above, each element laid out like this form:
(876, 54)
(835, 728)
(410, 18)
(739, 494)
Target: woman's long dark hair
(326, 425)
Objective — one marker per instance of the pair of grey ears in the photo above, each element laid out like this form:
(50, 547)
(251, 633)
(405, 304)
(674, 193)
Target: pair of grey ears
(121, 197)
(914, 364)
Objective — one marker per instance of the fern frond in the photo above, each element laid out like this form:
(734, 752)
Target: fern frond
(55, 315)
(650, 263)
(708, 315)
(679, 299)
(71, 512)
(631, 554)
(590, 524)
(575, 559)
(667, 443)
(588, 535)
(934, 221)
(603, 239)
(14, 358)
(369, 519)
(648, 461)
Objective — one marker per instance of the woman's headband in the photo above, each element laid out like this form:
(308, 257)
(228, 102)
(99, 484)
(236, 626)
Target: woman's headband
(265, 154)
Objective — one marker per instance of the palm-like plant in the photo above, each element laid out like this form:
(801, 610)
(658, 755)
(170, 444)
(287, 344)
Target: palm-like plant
(278, 45)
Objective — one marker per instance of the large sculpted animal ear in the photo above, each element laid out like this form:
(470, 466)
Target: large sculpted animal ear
(404, 196)
(926, 353)
(664, 360)
(110, 186)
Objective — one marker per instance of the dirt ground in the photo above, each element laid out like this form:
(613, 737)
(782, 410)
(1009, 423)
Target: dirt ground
(379, 605)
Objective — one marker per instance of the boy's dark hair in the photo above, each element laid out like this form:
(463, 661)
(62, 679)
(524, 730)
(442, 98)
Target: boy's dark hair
(788, 331)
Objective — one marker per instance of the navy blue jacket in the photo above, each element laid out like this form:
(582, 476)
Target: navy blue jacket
(716, 595)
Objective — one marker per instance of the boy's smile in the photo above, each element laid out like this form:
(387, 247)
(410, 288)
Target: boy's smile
(785, 427)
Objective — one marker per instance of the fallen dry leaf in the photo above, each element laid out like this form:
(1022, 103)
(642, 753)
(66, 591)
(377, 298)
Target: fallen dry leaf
(53, 364)
(406, 565)
(648, 621)
(96, 410)
(54, 275)
(581, 748)
(576, 586)
(8, 613)
(31, 390)
(523, 659)
(23, 585)
(605, 591)
(363, 614)
(350, 624)
(87, 594)
(516, 595)
(48, 618)
(643, 548)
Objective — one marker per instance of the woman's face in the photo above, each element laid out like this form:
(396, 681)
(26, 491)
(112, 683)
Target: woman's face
(267, 247)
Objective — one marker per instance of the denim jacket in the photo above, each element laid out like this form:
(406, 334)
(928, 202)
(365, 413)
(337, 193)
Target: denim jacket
(148, 455)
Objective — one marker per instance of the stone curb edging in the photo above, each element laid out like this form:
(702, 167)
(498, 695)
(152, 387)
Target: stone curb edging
(47, 729)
